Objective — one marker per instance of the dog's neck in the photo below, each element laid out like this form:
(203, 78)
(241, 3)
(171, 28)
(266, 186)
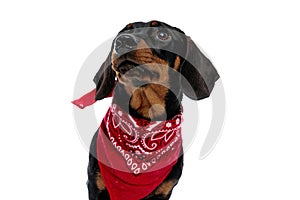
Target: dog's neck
(149, 102)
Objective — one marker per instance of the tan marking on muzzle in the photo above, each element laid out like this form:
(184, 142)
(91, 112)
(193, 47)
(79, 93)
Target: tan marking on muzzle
(177, 63)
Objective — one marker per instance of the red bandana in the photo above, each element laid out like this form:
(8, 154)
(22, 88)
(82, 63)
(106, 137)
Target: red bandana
(134, 155)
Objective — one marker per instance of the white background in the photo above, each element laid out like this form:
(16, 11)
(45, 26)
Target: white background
(255, 46)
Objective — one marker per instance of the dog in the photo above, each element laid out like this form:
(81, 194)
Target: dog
(137, 151)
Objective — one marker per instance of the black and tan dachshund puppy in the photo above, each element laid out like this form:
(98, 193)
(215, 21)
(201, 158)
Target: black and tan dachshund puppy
(149, 68)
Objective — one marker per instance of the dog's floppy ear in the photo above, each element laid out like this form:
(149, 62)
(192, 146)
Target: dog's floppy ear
(104, 79)
(199, 75)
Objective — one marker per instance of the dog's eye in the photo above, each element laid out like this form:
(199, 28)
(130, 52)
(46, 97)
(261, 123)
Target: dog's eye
(163, 35)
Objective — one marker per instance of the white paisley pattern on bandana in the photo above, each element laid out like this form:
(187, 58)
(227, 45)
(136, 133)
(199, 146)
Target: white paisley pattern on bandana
(151, 145)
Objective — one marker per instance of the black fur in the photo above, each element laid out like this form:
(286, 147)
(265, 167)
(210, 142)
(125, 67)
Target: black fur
(199, 75)
(104, 79)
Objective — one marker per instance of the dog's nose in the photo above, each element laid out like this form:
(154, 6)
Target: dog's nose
(125, 42)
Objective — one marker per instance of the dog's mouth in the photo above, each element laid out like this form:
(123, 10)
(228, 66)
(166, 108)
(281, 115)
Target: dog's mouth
(138, 74)
(126, 66)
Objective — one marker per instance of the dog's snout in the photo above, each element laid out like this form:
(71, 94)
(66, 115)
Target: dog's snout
(125, 42)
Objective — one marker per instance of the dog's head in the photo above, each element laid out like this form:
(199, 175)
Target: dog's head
(155, 60)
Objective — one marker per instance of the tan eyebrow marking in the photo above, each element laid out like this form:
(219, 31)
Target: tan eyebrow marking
(129, 26)
(154, 23)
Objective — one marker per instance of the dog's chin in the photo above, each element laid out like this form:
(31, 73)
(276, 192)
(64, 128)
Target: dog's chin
(139, 82)
(134, 80)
